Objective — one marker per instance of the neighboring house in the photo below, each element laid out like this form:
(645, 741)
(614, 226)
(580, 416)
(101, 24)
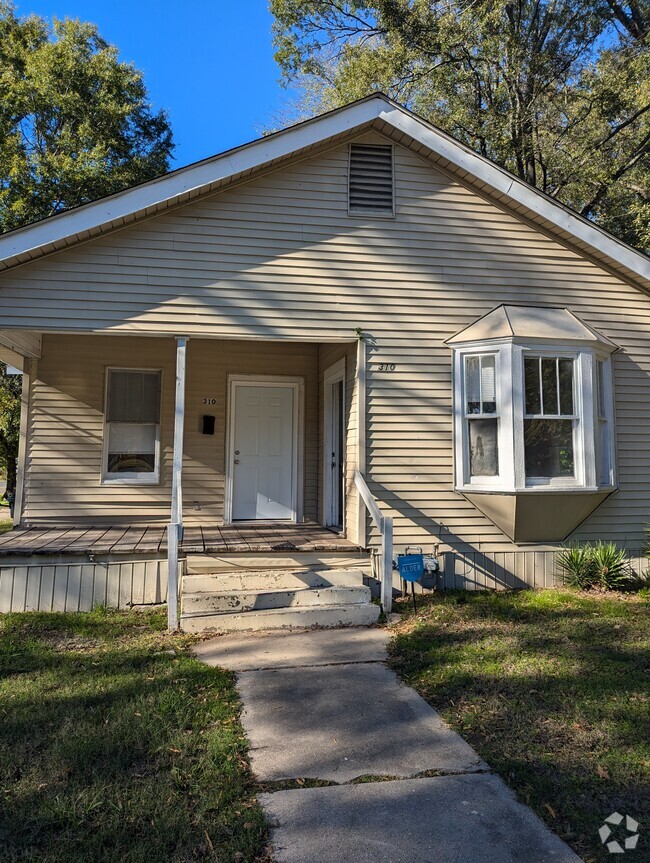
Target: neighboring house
(356, 296)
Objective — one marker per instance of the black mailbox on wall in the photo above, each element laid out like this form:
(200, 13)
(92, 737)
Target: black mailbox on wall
(208, 424)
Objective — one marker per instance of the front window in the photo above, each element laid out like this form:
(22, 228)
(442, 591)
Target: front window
(549, 417)
(482, 422)
(132, 437)
(533, 417)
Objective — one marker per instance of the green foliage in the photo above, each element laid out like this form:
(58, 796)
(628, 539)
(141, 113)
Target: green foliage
(603, 565)
(576, 564)
(75, 122)
(557, 92)
(10, 387)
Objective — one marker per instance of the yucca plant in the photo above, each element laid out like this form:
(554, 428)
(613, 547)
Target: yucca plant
(576, 563)
(611, 566)
(603, 565)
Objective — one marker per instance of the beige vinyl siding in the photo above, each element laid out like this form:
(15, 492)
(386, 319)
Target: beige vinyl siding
(64, 452)
(280, 259)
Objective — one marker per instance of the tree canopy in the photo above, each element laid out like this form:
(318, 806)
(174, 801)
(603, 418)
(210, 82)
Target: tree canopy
(557, 91)
(75, 123)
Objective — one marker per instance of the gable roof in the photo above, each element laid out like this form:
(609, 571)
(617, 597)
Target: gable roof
(530, 323)
(376, 112)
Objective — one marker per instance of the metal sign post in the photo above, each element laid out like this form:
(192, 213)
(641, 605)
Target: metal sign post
(411, 568)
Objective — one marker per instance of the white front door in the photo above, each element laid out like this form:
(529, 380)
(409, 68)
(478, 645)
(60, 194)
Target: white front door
(263, 452)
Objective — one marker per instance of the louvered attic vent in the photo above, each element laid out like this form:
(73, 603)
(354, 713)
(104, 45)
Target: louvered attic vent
(370, 179)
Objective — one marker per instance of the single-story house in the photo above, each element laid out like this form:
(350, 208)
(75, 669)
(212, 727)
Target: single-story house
(352, 336)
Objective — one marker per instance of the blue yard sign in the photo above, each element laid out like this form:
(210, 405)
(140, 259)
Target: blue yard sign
(410, 566)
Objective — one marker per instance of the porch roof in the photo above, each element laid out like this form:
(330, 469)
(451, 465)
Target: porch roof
(66, 539)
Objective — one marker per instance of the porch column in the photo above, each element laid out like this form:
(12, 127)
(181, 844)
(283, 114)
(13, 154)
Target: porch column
(175, 526)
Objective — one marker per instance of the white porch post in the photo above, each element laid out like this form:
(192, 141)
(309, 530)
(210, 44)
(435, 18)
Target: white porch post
(361, 434)
(387, 565)
(175, 526)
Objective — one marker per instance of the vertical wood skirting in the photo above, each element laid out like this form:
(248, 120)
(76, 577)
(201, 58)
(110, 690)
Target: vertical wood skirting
(29, 368)
(49, 585)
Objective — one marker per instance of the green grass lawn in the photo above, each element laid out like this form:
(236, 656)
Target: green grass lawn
(552, 688)
(116, 745)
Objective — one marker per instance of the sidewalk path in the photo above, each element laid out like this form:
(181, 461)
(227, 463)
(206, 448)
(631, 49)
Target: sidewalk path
(405, 788)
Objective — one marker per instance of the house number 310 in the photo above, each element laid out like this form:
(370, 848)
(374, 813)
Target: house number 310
(207, 401)
(386, 367)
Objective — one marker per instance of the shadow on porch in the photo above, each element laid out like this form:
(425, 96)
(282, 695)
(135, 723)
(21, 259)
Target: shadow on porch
(152, 539)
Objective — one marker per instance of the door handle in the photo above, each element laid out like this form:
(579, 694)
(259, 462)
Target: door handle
(236, 461)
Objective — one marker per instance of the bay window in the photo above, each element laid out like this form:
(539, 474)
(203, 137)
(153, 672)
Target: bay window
(132, 427)
(531, 414)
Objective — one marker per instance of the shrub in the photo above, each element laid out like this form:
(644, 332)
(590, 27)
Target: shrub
(612, 566)
(576, 563)
(603, 565)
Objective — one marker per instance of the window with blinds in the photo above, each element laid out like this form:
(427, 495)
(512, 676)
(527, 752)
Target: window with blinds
(132, 436)
(481, 414)
(371, 180)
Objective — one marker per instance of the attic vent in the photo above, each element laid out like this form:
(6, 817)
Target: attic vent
(370, 179)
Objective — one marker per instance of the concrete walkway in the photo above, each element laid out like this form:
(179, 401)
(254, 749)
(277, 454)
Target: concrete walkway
(321, 705)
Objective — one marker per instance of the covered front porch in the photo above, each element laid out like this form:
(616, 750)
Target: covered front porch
(305, 538)
(141, 452)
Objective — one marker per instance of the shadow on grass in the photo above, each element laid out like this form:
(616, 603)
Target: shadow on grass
(552, 690)
(117, 745)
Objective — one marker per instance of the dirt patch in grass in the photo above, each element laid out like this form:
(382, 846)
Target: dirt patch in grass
(552, 688)
(117, 745)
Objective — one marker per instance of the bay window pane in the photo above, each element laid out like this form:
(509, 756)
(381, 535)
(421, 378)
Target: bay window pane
(565, 374)
(131, 448)
(473, 384)
(483, 447)
(488, 384)
(531, 374)
(604, 466)
(600, 372)
(549, 386)
(548, 446)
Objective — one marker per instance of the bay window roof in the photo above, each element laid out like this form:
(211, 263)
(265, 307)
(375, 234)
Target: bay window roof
(530, 323)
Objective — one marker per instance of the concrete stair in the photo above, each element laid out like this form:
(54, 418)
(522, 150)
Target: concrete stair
(234, 598)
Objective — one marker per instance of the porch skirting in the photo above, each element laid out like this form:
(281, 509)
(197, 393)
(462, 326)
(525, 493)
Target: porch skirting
(58, 583)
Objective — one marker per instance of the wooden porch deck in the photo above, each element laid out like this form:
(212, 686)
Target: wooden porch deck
(212, 539)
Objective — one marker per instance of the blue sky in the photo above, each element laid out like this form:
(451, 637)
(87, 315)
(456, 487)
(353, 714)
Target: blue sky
(208, 62)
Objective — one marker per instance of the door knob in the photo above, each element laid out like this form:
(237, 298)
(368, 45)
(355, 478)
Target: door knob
(236, 461)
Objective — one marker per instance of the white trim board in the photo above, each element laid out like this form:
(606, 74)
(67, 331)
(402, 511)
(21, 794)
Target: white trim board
(376, 111)
(298, 458)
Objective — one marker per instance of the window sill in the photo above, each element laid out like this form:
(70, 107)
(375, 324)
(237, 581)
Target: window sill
(535, 489)
(130, 482)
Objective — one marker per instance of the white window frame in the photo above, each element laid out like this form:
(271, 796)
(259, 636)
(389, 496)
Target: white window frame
(132, 479)
(510, 395)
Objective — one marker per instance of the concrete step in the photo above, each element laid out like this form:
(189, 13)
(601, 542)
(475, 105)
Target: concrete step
(285, 579)
(282, 618)
(206, 563)
(230, 601)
